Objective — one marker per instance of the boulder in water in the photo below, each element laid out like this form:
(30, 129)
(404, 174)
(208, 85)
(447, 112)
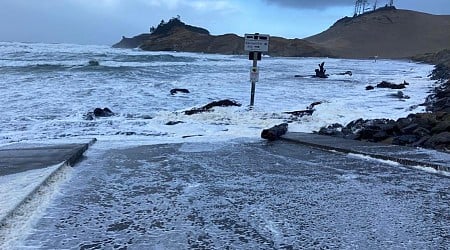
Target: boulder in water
(175, 91)
(94, 63)
(348, 72)
(98, 112)
(105, 112)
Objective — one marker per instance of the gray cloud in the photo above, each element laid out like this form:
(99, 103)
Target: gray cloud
(311, 4)
(105, 21)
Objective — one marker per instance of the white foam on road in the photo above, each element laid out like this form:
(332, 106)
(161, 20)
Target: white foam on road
(25, 197)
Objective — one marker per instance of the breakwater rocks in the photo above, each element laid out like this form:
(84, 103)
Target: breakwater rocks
(428, 130)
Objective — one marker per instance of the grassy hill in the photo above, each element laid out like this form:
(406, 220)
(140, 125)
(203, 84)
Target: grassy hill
(386, 33)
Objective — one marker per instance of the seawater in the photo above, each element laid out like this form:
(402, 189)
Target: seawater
(47, 89)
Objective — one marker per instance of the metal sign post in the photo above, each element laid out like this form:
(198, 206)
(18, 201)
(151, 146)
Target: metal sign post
(254, 75)
(255, 44)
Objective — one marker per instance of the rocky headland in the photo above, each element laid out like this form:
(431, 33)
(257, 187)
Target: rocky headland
(175, 35)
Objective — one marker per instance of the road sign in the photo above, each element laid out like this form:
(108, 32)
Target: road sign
(256, 42)
(254, 74)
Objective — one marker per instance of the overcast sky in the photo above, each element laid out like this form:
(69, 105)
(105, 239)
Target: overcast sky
(105, 21)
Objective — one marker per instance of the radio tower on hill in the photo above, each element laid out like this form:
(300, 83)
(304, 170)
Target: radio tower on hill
(362, 6)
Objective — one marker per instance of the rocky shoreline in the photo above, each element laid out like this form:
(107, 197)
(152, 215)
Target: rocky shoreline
(427, 130)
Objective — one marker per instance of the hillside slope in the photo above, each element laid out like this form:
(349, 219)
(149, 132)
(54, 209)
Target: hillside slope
(386, 33)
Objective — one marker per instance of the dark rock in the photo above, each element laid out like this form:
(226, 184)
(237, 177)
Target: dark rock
(332, 130)
(209, 106)
(403, 122)
(274, 132)
(345, 73)
(429, 130)
(93, 63)
(440, 72)
(370, 87)
(421, 132)
(355, 125)
(409, 129)
(442, 93)
(175, 91)
(424, 120)
(405, 139)
(443, 126)
(442, 104)
(421, 141)
(105, 112)
(389, 85)
(439, 141)
(400, 95)
(380, 135)
(98, 112)
(170, 123)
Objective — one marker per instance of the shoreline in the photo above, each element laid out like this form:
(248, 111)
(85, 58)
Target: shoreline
(429, 130)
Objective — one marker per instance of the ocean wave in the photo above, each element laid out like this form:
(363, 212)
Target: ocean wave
(37, 68)
(153, 58)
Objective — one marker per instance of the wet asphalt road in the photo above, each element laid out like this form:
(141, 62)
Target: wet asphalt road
(243, 196)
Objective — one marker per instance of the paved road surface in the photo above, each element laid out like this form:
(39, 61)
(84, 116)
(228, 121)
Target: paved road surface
(235, 195)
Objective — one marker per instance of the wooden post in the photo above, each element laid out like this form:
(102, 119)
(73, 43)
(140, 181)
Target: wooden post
(252, 93)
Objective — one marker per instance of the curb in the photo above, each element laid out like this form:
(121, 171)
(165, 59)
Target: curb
(71, 161)
(403, 161)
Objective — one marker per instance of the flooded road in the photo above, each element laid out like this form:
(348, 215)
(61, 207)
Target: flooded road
(236, 195)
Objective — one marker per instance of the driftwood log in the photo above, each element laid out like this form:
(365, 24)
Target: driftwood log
(274, 132)
(385, 84)
(209, 106)
(308, 111)
(300, 113)
(320, 72)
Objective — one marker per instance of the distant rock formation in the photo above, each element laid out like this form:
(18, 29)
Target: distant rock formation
(163, 29)
(177, 36)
